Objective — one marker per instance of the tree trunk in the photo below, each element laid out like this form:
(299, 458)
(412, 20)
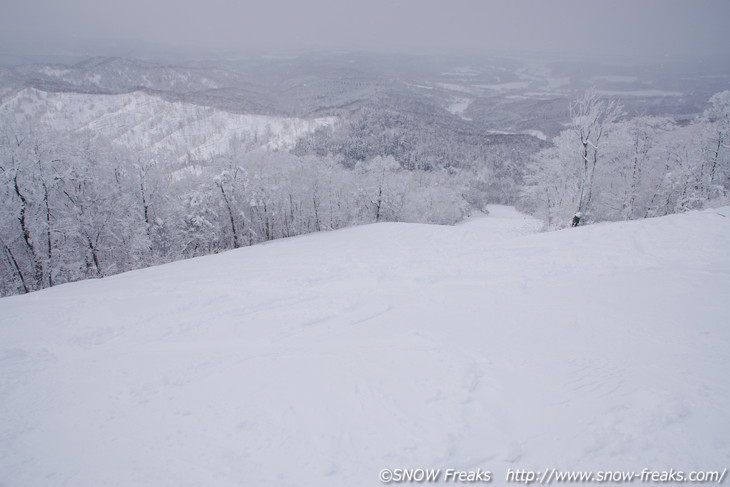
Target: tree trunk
(14, 263)
(27, 238)
(236, 242)
(49, 242)
(94, 257)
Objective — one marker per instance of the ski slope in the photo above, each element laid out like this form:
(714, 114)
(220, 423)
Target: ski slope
(320, 360)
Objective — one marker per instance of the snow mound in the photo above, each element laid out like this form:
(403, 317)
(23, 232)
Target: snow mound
(321, 359)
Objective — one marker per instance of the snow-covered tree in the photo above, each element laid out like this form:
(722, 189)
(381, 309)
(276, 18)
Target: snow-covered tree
(591, 118)
(715, 172)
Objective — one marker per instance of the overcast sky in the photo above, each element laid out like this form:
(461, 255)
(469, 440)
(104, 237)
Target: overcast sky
(646, 27)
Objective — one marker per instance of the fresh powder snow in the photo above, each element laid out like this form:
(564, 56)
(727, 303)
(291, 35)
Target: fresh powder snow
(322, 359)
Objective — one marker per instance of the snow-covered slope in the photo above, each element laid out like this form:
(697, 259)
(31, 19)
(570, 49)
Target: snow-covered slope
(145, 122)
(320, 360)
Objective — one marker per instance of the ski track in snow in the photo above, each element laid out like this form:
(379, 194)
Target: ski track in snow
(321, 359)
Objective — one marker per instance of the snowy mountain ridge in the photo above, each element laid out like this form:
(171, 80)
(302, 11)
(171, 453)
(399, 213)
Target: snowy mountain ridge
(145, 122)
(322, 359)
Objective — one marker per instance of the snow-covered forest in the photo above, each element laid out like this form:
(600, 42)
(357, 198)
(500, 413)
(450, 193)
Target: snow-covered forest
(77, 211)
(612, 167)
(99, 175)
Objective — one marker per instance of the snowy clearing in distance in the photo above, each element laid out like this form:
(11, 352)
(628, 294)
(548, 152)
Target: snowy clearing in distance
(616, 79)
(511, 86)
(640, 93)
(321, 359)
(458, 106)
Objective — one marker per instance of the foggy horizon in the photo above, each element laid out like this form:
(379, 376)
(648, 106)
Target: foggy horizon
(620, 29)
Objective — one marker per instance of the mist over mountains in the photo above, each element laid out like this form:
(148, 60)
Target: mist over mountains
(304, 84)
